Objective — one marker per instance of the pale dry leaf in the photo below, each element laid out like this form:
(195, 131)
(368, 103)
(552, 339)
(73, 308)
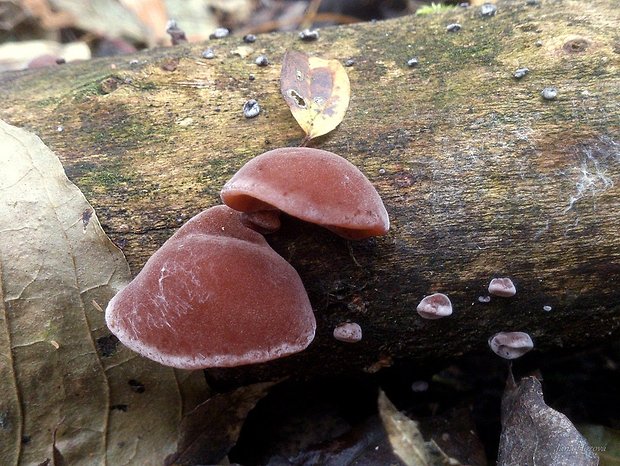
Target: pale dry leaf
(403, 433)
(106, 18)
(17, 55)
(316, 90)
(68, 388)
(194, 17)
(153, 15)
(534, 433)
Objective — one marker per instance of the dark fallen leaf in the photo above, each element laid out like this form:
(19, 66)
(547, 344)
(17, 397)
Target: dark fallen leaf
(455, 433)
(316, 90)
(406, 438)
(535, 434)
(404, 435)
(364, 445)
(208, 432)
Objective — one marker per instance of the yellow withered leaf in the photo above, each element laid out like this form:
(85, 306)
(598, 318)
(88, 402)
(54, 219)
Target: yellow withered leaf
(316, 90)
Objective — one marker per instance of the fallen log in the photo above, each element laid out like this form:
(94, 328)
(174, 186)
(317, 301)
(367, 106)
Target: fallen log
(482, 176)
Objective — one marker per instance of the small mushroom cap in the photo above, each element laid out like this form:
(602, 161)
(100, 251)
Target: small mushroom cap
(435, 306)
(511, 345)
(348, 332)
(502, 287)
(311, 184)
(214, 295)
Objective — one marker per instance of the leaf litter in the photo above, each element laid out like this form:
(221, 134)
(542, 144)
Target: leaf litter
(61, 396)
(316, 90)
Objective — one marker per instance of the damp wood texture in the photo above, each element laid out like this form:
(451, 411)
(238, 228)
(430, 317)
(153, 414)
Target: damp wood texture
(482, 176)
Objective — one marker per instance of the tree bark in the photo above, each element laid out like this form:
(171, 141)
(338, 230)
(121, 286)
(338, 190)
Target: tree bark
(482, 177)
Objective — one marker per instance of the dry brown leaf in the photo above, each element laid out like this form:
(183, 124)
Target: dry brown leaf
(106, 18)
(153, 15)
(407, 440)
(533, 433)
(316, 90)
(212, 429)
(404, 435)
(194, 17)
(68, 388)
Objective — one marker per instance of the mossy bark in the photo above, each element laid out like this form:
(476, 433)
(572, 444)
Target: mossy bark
(481, 176)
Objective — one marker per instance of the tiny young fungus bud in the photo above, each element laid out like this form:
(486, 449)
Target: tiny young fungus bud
(219, 33)
(435, 306)
(348, 332)
(262, 60)
(249, 38)
(520, 72)
(177, 35)
(419, 386)
(549, 93)
(454, 27)
(412, 62)
(511, 345)
(502, 287)
(208, 54)
(251, 108)
(488, 9)
(309, 35)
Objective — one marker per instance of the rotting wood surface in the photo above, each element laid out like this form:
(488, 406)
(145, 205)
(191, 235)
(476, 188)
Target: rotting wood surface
(481, 176)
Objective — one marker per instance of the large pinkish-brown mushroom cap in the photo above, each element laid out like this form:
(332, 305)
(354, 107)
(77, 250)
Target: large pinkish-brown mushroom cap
(214, 295)
(311, 184)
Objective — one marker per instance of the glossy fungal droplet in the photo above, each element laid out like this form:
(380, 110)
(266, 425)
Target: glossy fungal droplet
(309, 35)
(435, 306)
(348, 332)
(251, 108)
(520, 72)
(262, 60)
(249, 38)
(208, 54)
(549, 93)
(219, 33)
(454, 27)
(488, 9)
(511, 345)
(502, 287)
(412, 62)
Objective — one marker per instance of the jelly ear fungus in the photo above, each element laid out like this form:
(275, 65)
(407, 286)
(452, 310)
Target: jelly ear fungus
(313, 185)
(214, 295)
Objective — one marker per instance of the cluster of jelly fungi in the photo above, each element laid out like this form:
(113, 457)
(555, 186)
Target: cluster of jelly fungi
(216, 294)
